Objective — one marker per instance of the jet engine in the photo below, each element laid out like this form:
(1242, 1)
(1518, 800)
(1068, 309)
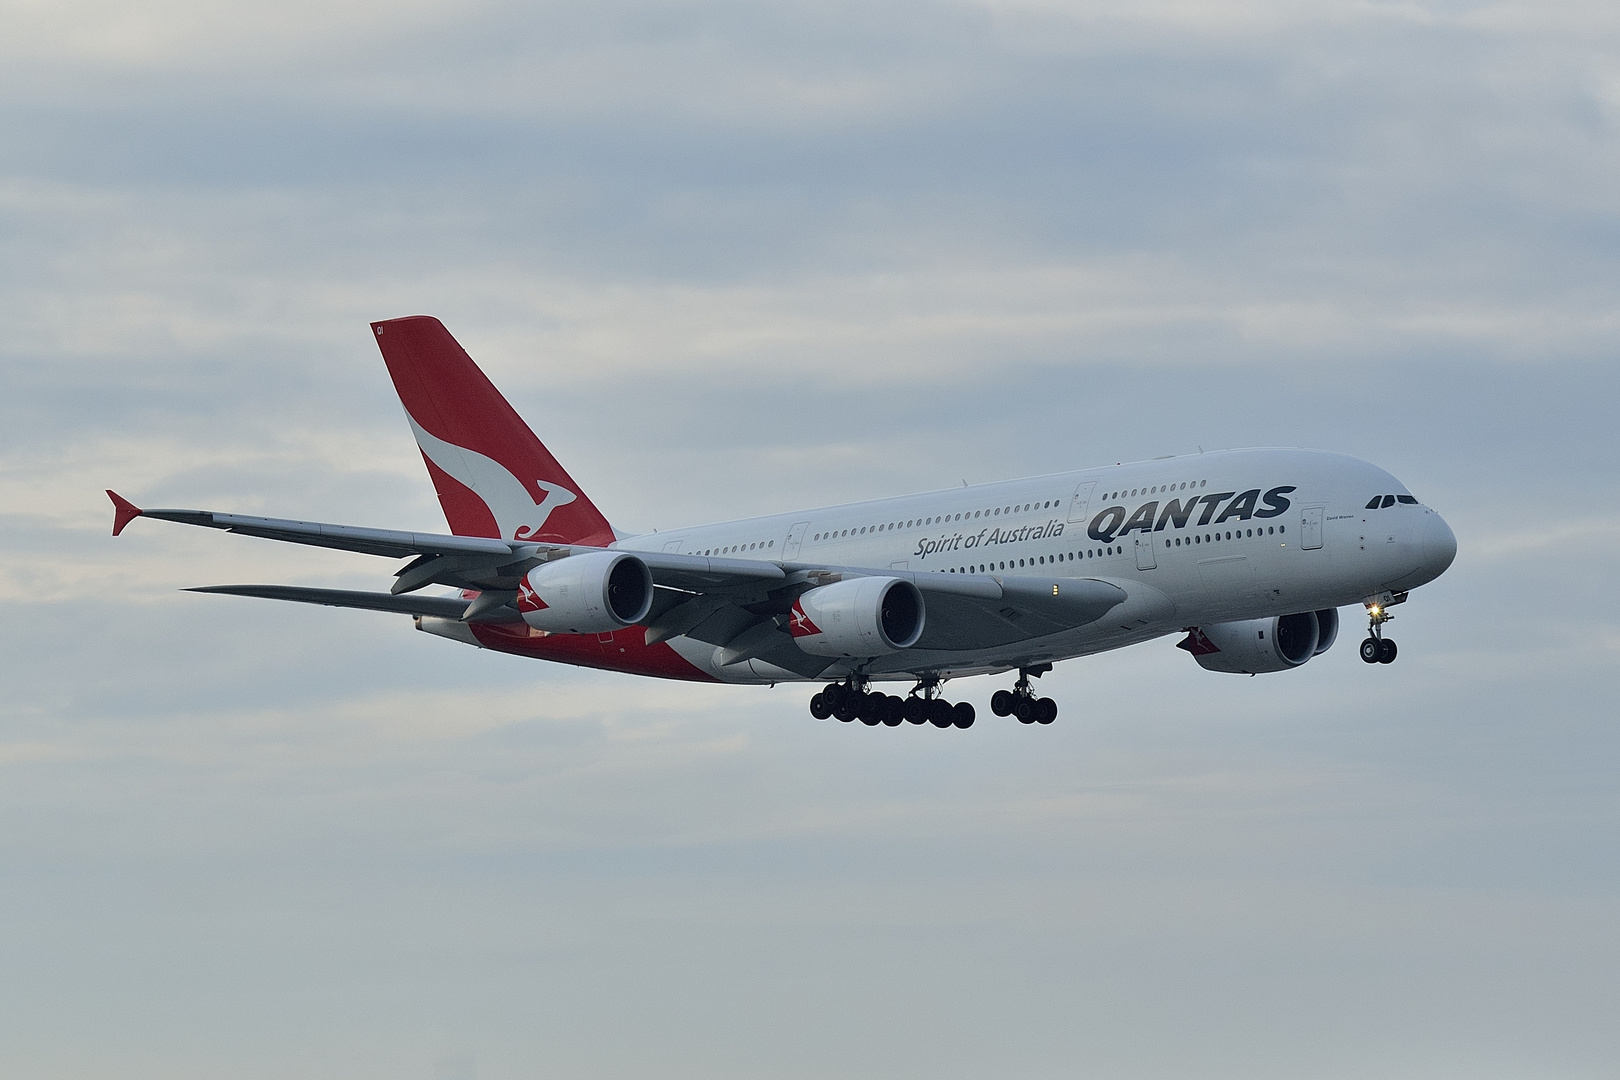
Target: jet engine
(594, 593)
(1253, 646)
(858, 617)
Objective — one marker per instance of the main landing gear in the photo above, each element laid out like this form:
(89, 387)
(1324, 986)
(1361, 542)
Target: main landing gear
(849, 700)
(1021, 701)
(1378, 649)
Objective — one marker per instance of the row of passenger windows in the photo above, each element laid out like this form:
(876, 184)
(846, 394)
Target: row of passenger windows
(734, 548)
(1379, 502)
(995, 511)
(1239, 534)
(913, 523)
(1095, 553)
(1165, 488)
(1039, 560)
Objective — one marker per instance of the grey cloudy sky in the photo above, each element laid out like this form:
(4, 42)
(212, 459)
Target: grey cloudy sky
(735, 258)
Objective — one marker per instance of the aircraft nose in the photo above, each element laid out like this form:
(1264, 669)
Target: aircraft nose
(1439, 545)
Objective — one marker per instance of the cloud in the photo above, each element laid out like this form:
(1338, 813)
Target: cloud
(732, 259)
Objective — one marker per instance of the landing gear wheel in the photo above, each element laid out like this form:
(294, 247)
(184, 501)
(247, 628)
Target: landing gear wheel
(962, 714)
(1386, 651)
(894, 711)
(1024, 709)
(819, 708)
(940, 713)
(1370, 648)
(1045, 711)
(1002, 702)
(915, 710)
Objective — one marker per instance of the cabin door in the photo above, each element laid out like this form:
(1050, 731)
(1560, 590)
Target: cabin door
(795, 537)
(1144, 553)
(1081, 500)
(1310, 527)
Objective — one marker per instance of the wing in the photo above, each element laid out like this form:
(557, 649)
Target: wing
(470, 562)
(741, 606)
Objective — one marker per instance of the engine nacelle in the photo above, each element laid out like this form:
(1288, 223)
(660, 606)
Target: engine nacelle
(1253, 646)
(594, 593)
(858, 617)
(1327, 629)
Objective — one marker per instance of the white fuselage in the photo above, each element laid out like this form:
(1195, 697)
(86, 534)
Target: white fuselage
(1193, 540)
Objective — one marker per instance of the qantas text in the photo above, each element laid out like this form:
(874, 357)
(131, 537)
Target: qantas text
(1113, 522)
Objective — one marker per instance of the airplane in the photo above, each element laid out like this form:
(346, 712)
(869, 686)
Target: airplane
(1249, 553)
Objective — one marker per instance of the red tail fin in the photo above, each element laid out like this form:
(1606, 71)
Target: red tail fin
(494, 478)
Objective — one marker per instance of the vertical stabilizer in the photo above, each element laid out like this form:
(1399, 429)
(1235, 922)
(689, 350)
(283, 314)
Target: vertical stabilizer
(494, 478)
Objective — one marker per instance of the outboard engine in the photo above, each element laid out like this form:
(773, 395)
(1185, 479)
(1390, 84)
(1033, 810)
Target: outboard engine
(594, 593)
(1253, 646)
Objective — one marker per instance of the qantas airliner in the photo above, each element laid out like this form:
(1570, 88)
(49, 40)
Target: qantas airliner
(1249, 553)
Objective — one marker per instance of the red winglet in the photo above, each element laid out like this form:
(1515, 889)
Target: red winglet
(124, 511)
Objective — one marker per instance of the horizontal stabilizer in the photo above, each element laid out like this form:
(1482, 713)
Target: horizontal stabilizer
(447, 607)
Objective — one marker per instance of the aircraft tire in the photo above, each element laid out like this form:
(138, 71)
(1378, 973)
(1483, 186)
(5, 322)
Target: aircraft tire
(916, 710)
(939, 713)
(962, 714)
(1045, 711)
(1386, 651)
(1024, 708)
(894, 711)
(1370, 650)
(819, 708)
(1001, 703)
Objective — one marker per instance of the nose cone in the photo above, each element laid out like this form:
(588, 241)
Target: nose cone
(1439, 546)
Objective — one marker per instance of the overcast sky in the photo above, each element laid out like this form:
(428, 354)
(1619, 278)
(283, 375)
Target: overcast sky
(736, 258)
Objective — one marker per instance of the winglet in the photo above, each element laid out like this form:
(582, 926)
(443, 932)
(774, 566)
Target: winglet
(124, 511)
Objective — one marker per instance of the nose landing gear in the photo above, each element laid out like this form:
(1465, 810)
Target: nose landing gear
(1378, 649)
(1021, 701)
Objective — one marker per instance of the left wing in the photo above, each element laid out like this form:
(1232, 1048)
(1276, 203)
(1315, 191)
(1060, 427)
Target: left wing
(472, 562)
(739, 605)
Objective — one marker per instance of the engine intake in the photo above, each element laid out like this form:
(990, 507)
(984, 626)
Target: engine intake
(859, 617)
(1254, 646)
(594, 593)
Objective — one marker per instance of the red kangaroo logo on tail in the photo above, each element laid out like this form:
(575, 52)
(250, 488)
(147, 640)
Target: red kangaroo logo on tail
(508, 498)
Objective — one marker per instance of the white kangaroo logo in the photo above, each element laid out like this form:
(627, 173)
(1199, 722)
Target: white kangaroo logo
(516, 513)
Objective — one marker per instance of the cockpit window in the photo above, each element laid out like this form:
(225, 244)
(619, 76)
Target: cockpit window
(1373, 505)
(1407, 499)
(1389, 500)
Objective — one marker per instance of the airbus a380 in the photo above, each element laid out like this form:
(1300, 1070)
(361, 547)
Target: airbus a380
(1249, 553)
